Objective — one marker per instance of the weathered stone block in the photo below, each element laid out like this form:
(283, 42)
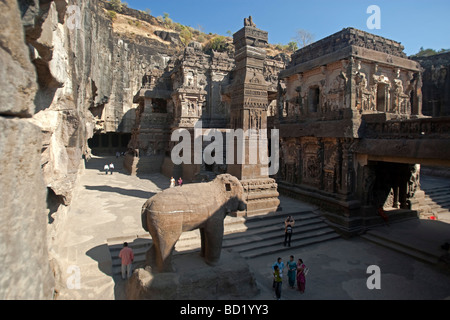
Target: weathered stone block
(194, 280)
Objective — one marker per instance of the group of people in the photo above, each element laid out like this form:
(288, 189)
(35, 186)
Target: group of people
(296, 270)
(108, 168)
(172, 182)
(296, 275)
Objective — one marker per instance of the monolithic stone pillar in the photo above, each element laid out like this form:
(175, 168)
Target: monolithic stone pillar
(249, 103)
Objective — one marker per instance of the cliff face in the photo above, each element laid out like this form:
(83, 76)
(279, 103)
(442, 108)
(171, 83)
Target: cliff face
(23, 238)
(87, 77)
(64, 73)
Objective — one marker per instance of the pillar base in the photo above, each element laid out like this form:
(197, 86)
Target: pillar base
(261, 196)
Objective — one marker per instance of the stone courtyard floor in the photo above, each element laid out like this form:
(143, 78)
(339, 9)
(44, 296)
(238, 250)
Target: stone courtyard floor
(108, 207)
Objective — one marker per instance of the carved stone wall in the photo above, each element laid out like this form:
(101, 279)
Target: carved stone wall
(436, 84)
(332, 96)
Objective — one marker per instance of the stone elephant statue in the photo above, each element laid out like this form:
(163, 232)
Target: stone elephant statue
(201, 206)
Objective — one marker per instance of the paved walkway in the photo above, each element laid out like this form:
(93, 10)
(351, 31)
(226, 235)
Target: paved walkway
(106, 208)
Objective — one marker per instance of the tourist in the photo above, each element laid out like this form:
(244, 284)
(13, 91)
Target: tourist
(172, 182)
(111, 167)
(117, 154)
(288, 229)
(127, 256)
(301, 279)
(278, 281)
(106, 168)
(292, 271)
(280, 264)
(180, 182)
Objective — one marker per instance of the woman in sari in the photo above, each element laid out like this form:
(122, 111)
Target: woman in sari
(292, 272)
(301, 280)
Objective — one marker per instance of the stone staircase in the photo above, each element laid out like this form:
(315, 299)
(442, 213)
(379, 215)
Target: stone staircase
(436, 203)
(379, 237)
(250, 237)
(265, 234)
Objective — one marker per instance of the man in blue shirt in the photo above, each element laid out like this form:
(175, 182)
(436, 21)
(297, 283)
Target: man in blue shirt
(280, 265)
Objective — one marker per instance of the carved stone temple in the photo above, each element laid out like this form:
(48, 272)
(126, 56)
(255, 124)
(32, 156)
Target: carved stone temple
(348, 109)
(221, 92)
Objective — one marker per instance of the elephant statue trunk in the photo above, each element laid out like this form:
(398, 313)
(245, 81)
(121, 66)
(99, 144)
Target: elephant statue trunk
(202, 206)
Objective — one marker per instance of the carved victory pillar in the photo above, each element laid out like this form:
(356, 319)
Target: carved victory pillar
(249, 103)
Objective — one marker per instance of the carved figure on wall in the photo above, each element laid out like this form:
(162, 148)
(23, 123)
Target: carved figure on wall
(398, 96)
(414, 180)
(369, 183)
(202, 206)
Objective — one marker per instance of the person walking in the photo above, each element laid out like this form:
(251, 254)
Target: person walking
(111, 167)
(106, 168)
(288, 229)
(127, 257)
(172, 182)
(292, 271)
(278, 281)
(301, 279)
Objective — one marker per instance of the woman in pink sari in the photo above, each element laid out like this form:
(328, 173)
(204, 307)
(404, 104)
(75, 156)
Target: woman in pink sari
(301, 280)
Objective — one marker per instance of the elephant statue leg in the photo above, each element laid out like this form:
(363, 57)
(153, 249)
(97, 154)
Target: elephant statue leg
(163, 245)
(202, 238)
(212, 236)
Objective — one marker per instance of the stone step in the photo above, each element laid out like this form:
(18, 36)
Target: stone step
(437, 190)
(266, 225)
(256, 243)
(276, 248)
(440, 199)
(385, 241)
(269, 234)
(265, 235)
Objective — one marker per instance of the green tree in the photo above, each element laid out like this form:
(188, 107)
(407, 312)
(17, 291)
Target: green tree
(218, 43)
(112, 15)
(429, 52)
(116, 5)
(292, 46)
(185, 35)
(168, 23)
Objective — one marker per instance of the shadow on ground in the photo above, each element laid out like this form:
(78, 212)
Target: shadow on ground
(126, 192)
(112, 267)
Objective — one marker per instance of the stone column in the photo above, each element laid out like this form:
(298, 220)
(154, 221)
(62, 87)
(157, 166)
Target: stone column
(249, 103)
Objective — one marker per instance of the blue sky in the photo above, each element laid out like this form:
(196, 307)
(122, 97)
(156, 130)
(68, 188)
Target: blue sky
(414, 23)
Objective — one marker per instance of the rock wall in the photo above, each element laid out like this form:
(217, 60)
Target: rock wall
(23, 237)
(64, 73)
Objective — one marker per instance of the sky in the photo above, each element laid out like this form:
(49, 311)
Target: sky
(414, 23)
